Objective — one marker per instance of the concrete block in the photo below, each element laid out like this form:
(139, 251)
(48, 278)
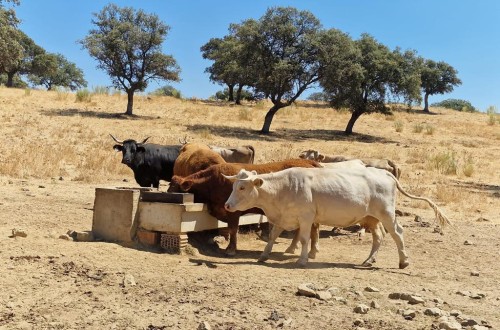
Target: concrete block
(115, 214)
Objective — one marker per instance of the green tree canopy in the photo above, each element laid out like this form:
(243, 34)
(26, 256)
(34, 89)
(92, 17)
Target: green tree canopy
(24, 64)
(455, 104)
(51, 70)
(437, 78)
(127, 45)
(11, 51)
(280, 54)
(371, 75)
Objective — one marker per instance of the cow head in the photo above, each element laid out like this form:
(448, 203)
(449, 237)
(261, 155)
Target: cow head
(179, 184)
(311, 154)
(130, 149)
(245, 191)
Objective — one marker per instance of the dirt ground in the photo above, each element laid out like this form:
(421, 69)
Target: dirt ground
(52, 283)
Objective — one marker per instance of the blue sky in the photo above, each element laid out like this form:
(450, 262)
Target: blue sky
(465, 34)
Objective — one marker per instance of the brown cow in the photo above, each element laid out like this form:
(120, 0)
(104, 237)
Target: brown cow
(243, 154)
(195, 157)
(384, 164)
(210, 187)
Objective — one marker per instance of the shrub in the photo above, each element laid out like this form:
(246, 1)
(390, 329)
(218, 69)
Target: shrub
(418, 128)
(398, 125)
(223, 95)
(100, 90)
(455, 104)
(429, 129)
(492, 114)
(444, 163)
(318, 97)
(83, 95)
(245, 114)
(168, 91)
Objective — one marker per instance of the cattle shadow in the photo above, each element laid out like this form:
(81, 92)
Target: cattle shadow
(276, 261)
(94, 114)
(287, 134)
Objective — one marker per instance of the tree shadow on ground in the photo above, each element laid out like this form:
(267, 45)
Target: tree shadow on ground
(287, 134)
(477, 187)
(94, 114)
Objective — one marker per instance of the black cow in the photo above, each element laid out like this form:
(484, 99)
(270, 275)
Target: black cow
(150, 162)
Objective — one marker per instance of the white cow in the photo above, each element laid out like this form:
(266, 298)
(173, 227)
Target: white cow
(242, 154)
(298, 197)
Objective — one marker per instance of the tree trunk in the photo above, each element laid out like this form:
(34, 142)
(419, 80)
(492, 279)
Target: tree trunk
(10, 79)
(269, 119)
(130, 102)
(426, 102)
(238, 95)
(355, 115)
(230, 89)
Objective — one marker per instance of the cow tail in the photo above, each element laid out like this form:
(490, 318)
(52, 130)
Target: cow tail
(440, 216)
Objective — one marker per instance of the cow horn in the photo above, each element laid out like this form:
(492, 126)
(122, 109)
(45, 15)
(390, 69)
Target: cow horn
(116, 140)
(144, 141)
(185, 140)
(231, 178)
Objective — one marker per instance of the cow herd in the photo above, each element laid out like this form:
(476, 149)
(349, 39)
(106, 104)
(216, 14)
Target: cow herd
(295, 194)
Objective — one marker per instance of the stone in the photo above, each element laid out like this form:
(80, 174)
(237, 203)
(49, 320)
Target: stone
(65, 237)
(361, 309)
(374, 304)
(324, 295)
(433, 312)
(479, 327)
(84, 236)
(455, 312)
(450, 325)
(474, 273)
(274, 316)
(464, 293)
(395, 295)
(468, 242)
(128, 280)
(469, 323)
(477, 295)
(358, 322)
(414, 300)
(371, 289)
(204, 326)
(19, 233)
(409, 314)
(306, 289)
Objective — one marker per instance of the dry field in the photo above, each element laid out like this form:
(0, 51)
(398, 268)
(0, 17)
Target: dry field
(57, 151)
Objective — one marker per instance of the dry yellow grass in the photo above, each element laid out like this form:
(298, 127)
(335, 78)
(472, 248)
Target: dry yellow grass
(48, 134)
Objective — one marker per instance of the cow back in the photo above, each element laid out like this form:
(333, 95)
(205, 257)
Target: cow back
(195, 157)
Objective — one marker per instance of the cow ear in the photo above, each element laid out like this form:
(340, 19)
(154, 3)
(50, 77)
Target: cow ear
(320, 157)
(258, 182)
(186, 185)
(141, 149)
(118, 147)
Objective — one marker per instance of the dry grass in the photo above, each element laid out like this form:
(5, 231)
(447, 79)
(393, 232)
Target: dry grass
(48, 135)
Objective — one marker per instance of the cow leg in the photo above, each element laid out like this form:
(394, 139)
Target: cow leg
(293, 245)
(304, 237)
(233, 237)
(396, 231)
(275, 233)
(378, 233)
(314, 241)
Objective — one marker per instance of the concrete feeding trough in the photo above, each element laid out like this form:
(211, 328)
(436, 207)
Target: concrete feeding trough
(153, 217)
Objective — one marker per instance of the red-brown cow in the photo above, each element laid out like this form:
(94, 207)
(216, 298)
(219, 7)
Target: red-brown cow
(210, 187)
(195, 157)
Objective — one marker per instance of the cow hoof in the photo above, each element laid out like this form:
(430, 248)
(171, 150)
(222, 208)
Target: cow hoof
(230, 253)
(302, 263)
(312, 255)
(403, 265)
(290, 250)
(367, 264)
